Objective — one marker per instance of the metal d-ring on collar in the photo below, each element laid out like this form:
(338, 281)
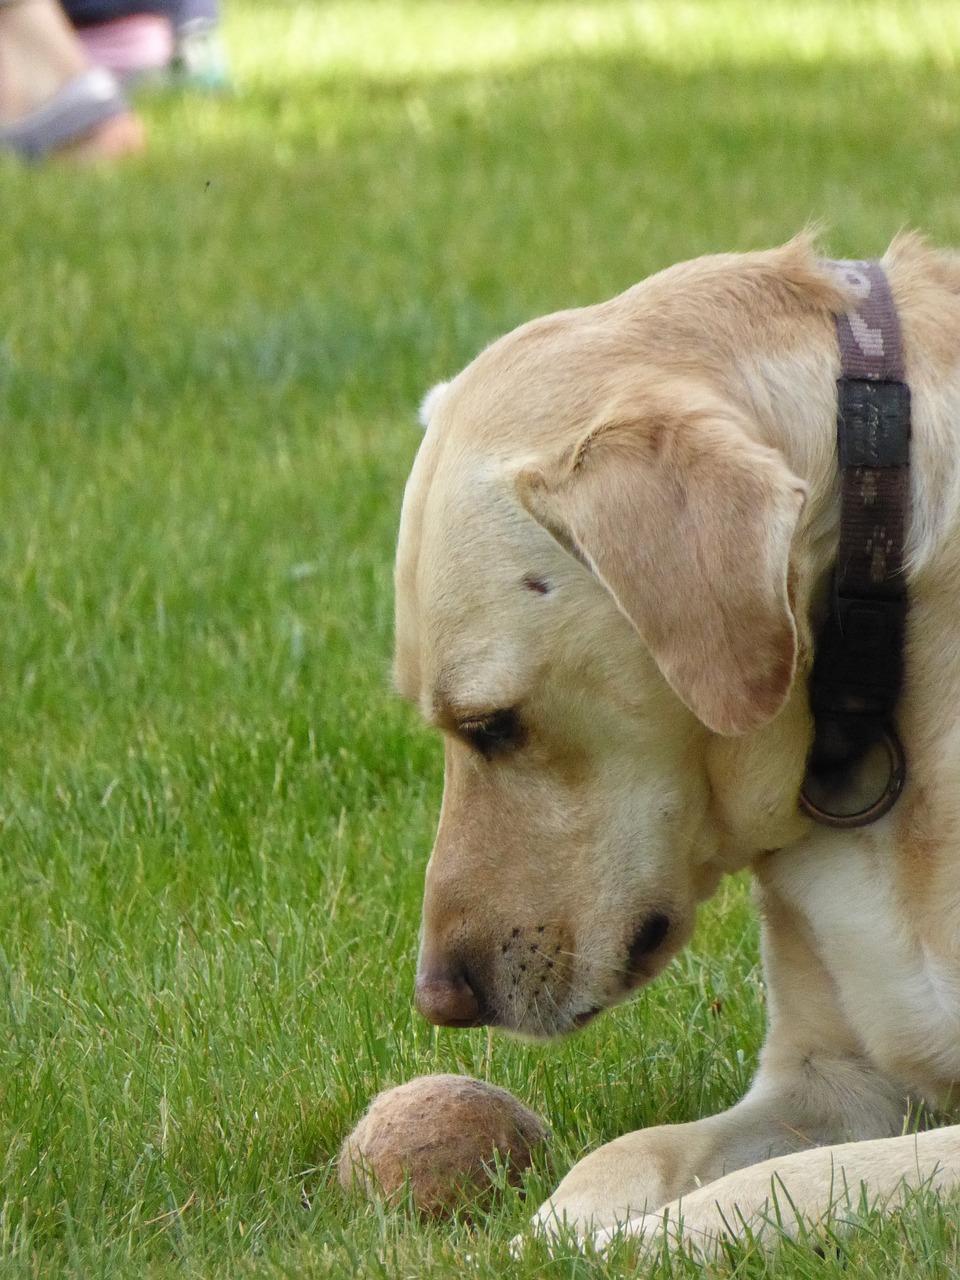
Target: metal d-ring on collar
(897, 765)
(858, 667)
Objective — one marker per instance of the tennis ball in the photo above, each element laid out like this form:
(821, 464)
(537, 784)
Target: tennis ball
(442, 1137)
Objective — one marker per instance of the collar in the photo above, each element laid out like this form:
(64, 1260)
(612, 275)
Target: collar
(858, 666)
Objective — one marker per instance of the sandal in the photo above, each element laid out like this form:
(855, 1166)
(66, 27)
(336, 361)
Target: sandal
(89, 116)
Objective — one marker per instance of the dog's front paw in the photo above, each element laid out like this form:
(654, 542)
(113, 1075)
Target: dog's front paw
(700, 1224)
(647, 1232)
(572, 1219)
(562, 1234)
(622, 1179)
(650, 1233)
(580, 1218)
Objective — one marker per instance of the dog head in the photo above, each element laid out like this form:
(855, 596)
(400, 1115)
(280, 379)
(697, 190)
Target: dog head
(595, 606)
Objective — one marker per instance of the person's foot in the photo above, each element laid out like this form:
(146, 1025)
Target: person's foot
(87, 120)
(121, 135)
(52, 102)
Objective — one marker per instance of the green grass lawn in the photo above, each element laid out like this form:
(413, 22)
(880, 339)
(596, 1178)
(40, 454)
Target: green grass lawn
(214, 816)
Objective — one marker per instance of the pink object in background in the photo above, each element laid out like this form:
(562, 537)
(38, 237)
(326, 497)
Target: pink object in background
(130, 47)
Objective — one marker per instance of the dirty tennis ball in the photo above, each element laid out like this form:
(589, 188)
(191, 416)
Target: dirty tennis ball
(442, 1138)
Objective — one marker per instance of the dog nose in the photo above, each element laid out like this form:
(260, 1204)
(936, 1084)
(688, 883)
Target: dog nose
(446, 998)
(648, 937)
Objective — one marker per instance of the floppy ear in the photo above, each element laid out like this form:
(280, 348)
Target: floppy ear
(688, 523)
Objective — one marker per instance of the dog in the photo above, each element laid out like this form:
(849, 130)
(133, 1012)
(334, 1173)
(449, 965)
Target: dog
(614, 559)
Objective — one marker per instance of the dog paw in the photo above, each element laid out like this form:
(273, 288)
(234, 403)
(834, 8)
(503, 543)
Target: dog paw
(565, 1231)
(646, 1231)
(699, 1228)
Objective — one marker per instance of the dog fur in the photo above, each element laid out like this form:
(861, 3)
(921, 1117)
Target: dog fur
(614, 556)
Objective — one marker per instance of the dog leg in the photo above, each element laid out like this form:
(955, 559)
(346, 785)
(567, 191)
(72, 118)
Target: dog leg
(797, 1194)
(643, 1171)
(814, 1087)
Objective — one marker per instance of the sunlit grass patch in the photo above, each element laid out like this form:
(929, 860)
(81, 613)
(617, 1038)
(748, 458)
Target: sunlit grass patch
(415, 40)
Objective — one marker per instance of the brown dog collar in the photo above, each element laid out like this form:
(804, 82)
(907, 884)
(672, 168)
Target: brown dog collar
(858, 666)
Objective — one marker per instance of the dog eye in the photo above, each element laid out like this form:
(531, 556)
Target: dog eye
(489, 735)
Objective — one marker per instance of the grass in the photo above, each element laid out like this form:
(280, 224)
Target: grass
(214, 816)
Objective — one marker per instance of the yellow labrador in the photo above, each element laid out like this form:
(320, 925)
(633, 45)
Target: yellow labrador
(613, 558)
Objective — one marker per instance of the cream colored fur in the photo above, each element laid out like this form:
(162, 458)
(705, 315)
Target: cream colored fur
(620, 527)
